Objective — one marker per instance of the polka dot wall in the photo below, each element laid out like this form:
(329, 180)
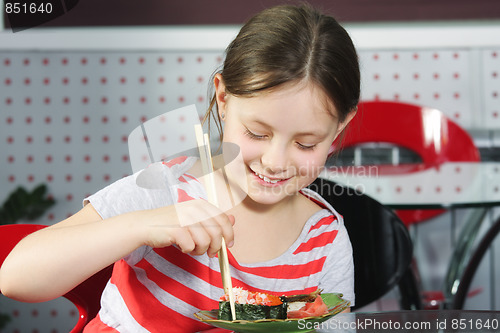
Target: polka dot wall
(65, 117)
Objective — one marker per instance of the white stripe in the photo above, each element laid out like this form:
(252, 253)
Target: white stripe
(165, 298)
(114, 312)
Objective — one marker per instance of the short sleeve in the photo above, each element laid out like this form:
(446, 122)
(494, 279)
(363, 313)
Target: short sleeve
(125, 196)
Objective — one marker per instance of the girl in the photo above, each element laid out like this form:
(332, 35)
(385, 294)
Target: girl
(289, 86)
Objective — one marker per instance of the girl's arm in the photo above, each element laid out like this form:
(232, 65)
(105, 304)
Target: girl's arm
(52, 261)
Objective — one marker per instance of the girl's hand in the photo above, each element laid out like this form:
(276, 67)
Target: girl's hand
(195, 226)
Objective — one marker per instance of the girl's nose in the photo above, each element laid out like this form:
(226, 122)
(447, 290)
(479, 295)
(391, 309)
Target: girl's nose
(275, 158)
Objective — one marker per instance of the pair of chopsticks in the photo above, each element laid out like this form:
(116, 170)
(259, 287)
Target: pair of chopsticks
(206, 163)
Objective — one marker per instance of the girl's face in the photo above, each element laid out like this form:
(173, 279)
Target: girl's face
(284, 136)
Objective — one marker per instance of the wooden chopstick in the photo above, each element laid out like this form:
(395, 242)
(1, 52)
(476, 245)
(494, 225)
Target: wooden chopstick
(208, 170)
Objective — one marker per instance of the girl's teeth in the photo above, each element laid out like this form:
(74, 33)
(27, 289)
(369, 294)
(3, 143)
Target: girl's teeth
(267, 179)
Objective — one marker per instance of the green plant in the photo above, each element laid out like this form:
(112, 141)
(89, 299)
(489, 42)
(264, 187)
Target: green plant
(22, 204)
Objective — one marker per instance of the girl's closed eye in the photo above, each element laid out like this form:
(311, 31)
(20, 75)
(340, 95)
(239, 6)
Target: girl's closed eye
(305, 146)
(253, 135)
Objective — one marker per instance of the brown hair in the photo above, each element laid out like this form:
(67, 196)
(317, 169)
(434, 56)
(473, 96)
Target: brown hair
(286, 44)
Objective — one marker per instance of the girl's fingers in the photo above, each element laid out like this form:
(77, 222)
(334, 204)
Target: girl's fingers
(201, 238)
(182, 237)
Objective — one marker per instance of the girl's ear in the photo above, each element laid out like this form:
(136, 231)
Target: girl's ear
(346, 121)
(220, 94)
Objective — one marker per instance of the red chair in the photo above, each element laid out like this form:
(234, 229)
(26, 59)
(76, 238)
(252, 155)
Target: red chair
(86, 296)
(427, 132)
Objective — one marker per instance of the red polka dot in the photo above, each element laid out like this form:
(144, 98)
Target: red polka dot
(64, 61)
(83, 61)
(87, 158)
(46, 81)
(67, 139)
(26, 62)
(160, 60)
(86, 119)
(142, 60)
(122, 61)
(48, 158)
(67, 119)
(45, 61)
(103, 61)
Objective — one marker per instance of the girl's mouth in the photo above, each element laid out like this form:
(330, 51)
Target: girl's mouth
(267, 180)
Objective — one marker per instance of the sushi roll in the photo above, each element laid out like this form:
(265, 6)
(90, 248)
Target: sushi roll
(252, 306)
(256, 305)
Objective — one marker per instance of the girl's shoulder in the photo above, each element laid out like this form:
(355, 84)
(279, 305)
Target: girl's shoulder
(321, 203)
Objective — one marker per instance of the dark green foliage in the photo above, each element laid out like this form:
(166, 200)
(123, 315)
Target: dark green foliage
(22, 204)
(252, 311)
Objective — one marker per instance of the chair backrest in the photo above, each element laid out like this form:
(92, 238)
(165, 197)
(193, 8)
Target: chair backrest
(86, 296)
(427, 132)
(382, 248)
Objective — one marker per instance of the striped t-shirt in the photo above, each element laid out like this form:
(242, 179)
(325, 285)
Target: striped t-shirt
(159, 289)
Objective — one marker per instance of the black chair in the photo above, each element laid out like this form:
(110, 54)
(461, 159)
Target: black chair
(456, 296)
(382, 248)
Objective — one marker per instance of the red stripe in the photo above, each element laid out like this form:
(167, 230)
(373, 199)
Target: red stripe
(190, 177)
(178, 289)
(318, 241)
(145, 308)
(183, 196)
(213, 277)
(96, 325)
(175, 161)
(190, 265)
(281, 271)
(324, 221)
